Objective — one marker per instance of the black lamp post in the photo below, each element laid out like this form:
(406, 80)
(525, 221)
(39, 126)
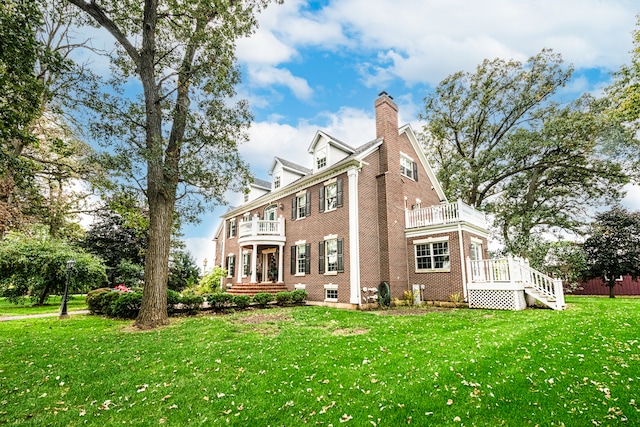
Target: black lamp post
(63, 308)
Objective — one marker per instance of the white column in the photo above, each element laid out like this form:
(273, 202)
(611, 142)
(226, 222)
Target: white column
(354, 237)
(280, 262)
(462, 264)
(239, 265)
(254, 263)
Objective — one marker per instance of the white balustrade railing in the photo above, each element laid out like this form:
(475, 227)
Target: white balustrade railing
(515, 271)
(444, 214)
(261, 227)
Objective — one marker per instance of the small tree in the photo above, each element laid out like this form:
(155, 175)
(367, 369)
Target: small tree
(37, 267)
(613, 249)
(211, 282)
(183, 271)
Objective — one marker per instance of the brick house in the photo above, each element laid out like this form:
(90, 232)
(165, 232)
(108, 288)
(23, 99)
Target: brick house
(361, 216)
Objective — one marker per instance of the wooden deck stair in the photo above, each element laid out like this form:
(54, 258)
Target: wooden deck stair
(253, 288)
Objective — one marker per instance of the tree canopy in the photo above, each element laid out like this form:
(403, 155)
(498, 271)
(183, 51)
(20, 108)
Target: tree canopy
(503, 145)
(613, 246)
(36, 267)
(179, 134)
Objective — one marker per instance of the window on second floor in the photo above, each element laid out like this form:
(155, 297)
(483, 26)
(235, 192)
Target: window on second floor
(330, 196)
(277, 181)
(301, 205)
(232, 231)
(408, 167)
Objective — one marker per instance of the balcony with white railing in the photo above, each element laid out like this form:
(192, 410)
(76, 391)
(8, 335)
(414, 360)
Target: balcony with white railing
(261, 230)
(448, 213)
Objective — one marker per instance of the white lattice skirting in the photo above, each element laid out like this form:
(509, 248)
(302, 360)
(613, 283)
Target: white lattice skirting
(497, 299)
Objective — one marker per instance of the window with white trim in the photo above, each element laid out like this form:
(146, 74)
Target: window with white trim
(277, 180)
(321, 158)
(246, 264)
(232, 228)
(231, 265)
(331, 292)
(331, 256)
(408, 167)
(301, 205)
(330, 195)
(432, 256)
(301, 258)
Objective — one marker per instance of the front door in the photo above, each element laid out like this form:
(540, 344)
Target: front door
(270, 265)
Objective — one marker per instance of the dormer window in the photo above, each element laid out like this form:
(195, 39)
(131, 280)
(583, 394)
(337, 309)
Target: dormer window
(321, 158)
(277, 181)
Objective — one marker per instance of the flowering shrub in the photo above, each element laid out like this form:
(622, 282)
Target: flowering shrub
(122, 288)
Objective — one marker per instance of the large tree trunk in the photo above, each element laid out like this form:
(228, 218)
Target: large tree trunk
(153, 311)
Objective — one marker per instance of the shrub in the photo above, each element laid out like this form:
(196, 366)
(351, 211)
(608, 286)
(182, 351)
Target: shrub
(262, 298)
(283, 298)
(242, 301)
(173, 299)
(219, 300)
(299, 296)
(191, 304)
(95, 299)
(126, 305)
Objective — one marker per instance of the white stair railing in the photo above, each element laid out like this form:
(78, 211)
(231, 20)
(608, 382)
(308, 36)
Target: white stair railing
(516, 270)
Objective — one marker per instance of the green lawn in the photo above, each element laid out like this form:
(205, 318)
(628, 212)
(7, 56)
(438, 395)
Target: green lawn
(75, 302)
(314, 365)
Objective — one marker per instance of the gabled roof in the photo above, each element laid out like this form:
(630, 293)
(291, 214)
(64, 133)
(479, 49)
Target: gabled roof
(261, 183)
(332, 141)
(290, 166)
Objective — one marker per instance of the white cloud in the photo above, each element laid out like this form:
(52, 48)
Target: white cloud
(632, 200)
(424, 41)
(201, 248)
(267, 76)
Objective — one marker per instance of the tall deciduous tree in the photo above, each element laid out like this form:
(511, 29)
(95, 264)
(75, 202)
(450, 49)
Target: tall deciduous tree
(625, 89)
(613, 247)
(503, 145)
(182, 131)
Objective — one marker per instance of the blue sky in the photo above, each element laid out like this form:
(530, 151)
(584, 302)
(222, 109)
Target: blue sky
(320, 65)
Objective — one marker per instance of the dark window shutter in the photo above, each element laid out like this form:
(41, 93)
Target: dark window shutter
(293, 260)
(294, 206)
(415, 171)
(321, 257)
(339, 193)
(307, 259)
(232, 265)
(307, 209)
(321, 199)
(341, 255)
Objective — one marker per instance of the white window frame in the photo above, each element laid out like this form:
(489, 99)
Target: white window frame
(230, 272)
(301, 258)
(233, 227)
(246, 264)
(331, 289)
(301, 205)
(407, 169)
(327, 200)
(277, 180)
(431, 256)
(321, 157)
(327, 263)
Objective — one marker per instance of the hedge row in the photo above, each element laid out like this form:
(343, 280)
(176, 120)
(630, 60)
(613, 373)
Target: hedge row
(126, 305)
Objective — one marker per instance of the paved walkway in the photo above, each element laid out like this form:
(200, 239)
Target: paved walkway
(36, 316)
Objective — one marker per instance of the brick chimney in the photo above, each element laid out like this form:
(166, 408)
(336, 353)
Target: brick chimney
(386, 126)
